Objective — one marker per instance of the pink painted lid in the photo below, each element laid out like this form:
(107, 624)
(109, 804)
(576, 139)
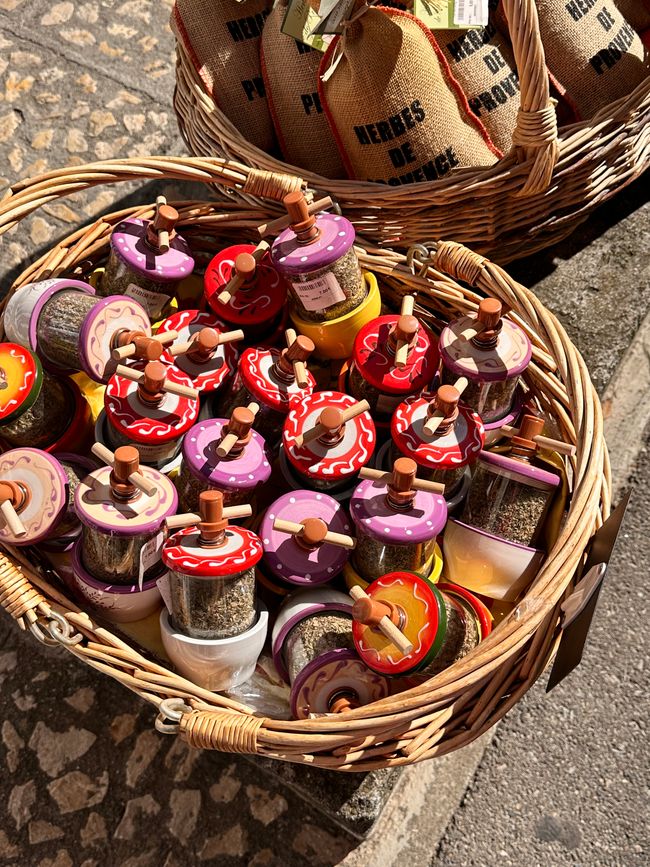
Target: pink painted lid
(508, 358)
(208, 376)
(261, 303)
(147, 424)
(336, 238)
(47, 484)
(317, 459)
(256, 370)
(376, 363)
(250, 468)
(454, 449)
(371, 513)
(183, 553)
(128, 241)
(109, 315)
(290, 560)
(96, 507)
(519, 471)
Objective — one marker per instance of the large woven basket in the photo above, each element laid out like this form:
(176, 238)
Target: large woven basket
(530, 200)
(456, 706)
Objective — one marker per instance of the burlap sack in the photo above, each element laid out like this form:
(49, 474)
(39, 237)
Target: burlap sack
(635, 12)
(223, 40)
(592, 51)
(396, 111)
(483, 64)
(290, 71)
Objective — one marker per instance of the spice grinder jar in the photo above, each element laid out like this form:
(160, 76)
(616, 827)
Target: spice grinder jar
(258, 303)
(212, 574)
(327, 437)
(35, 408)
(316, 255)
(236, 474)
(313, 651)
(148, 415)
(302, 553)
(491, 352)
(76, 468)
(396, 525)
(441, 455)
(147, 261)
(121, 536)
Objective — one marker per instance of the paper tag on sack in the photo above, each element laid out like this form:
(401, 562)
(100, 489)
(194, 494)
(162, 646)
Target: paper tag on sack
(300, 21)
(451, 14)
(332, 14)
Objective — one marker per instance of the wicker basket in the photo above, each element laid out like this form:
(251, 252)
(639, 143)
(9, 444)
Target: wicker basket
(531, 199)
(456, 706)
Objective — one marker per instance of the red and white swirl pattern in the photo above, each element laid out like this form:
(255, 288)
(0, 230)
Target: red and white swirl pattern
(256, 370)
(376, 362)
(208, 376)
(455, 448)
(184, 553)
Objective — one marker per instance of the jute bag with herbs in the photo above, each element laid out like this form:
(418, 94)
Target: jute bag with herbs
(397, 113)
(635, 12)
(290, 71)
(223, 40)
(482, 62)
(592, 51)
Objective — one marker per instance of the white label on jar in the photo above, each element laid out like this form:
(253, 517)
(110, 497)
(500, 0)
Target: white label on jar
(153, 302)
(150, 554)
(319, 293)
(163, 586)
(388, 402)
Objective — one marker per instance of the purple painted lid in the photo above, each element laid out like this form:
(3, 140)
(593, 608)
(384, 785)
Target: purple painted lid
(128, 241)
(98, 510)
(520, 471)
(508, 358)
(46, 482)
(247, 470)
(335, 239)
(121, 589)
(290, 560)
(111, 314)
(422, 521)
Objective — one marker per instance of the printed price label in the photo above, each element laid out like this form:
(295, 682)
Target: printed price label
(163, 586)
(451, 14)
(150, 554)
(319, 293)
(300, 22)
(153, 302)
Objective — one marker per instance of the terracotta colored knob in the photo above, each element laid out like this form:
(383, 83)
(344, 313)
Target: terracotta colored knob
(331, 418)
(11, 492)
(300, 350)
(404, 471)
(447, 398)
(204, 344)
(302, 222)
(530, 427)
(126, 461)
(212, 523)
(406, 328)
(370, 611)
(489, 312)
(313, 533)
(166, 218)
(154, 377)
(343, 703)
(245, 266)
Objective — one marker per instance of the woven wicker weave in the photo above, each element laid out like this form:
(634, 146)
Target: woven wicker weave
(530, 200)
(456, 706)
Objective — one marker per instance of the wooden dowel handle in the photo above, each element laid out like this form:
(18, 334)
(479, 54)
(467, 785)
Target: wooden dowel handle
(226, 445)
(276, 226)
(171, 387)
(235, 283)
(386, 477)
(340, 540)
(319, 429)
(545, 442)
(408, 303)
(165, 337)
(137, 479)
(299, 367)
(12, 519)
(224, 337)
(385, 625)
(177, 522)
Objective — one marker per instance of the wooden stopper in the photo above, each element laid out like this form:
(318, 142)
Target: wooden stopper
(237, 433)
(299, 351)
(489, 312)
(8, 502)
(302, 221)
(163, 224)
(331, 424)
(538, 440)
(135, 477)
(344, 702)
(201, 347)
(404, 332)
(387, 479)
(299, 367)
(243, 272)
(313, 532)
(443, 409)
(212, 525)
(379, 615)
(274, 227)
(153, 379)
(152, 382)
(137, 344)
(190, 519)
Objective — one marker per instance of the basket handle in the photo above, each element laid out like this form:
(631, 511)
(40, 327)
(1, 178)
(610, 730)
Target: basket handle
(535, 137)
(26, 196)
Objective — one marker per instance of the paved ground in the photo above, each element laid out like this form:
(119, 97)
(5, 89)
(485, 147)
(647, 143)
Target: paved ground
(87, 782)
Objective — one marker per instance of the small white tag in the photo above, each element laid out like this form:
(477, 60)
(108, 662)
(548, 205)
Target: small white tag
(153, 302)
(163, 586)
(451, 14)
(471, 13)
(332, 13)
(320, 293)
(150, 554)
(300, 22)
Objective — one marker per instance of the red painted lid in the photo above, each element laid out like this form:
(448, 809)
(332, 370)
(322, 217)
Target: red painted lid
(256, 368)
(184, 553)
(260, 303)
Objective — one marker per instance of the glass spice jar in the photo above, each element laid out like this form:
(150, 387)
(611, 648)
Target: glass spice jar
(122, 536)
(236, 474)
(76, 468)
(212, 574)
(509, 496)
(396, 525)
(35, 486)
(147, 261)
(441, 625)
(327, 437)
(442, 456)
(374, 373)
(491, 352)
(267, 377)
(305, 558)
(145, 414)
(258, 306)
(210, 363)
(316, 255)
(313, 651)
(35, 408)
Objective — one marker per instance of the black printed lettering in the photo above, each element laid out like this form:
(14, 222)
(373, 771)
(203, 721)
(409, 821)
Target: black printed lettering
(253, 87)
